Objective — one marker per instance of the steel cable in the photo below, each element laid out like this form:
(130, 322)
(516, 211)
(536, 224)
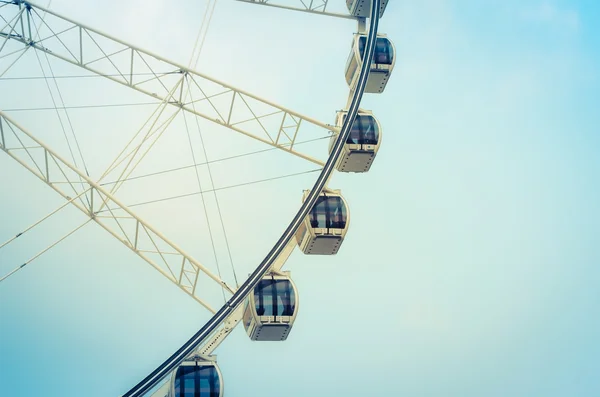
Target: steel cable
(179, 356)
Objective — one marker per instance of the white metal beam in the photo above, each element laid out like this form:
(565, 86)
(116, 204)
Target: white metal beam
(135, 233)
(214, 100)
(314, 7)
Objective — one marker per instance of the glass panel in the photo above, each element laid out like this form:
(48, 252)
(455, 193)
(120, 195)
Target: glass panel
(384, 53)
(364, 131)
(274, 298)
(286, 298)
(328, 212)
(197, 381)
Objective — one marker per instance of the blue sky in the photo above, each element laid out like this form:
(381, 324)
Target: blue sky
(471, 265)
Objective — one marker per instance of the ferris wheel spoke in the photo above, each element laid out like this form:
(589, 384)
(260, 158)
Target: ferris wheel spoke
(311, 6)
(8, 31)
(140, 150)
(13, 52)
(42, 252)
(117, 219)
(150, 74)
(254, 279)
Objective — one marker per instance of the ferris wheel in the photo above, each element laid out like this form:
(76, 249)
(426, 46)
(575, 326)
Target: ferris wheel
(267, 302)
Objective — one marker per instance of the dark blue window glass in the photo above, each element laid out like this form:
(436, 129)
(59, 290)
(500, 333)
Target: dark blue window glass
(328, 212)
(274, 298)
(384, 52)
(364, 131)
(197, 381)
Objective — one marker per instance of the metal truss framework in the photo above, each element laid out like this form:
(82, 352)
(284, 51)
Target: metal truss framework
(234, 319)
(185, 89)
(31, 26)
(89, 197)
(178, 86)
(219, 322)
(312, 6)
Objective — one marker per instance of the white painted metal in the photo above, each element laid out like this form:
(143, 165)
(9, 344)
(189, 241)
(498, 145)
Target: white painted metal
(10, 240)
(362, 8)
(322, 241)
(171, 101)
(212, 99)
(208, 330)
(130, 229)
(162, 391)
(313, 7)
(357, 157)
(235, 318)
(380, 73)
(42, 252)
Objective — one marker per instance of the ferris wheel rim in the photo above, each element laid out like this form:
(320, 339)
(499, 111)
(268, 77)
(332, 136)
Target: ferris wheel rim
(28, 8)
(236, 300)
(276, 252)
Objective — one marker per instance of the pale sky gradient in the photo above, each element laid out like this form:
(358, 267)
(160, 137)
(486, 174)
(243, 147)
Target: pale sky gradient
(471, 267)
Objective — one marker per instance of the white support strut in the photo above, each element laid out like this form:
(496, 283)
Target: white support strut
(288, 123)
(207, 330)
(209, 98)
(231, 322)
(314, 7)
(88, 196)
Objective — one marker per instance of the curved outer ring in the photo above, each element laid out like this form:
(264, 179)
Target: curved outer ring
(199, 337)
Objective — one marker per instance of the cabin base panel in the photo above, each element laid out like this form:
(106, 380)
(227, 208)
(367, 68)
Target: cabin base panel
(323, 245)
(377, 81)
(271, 332)
(356, 161)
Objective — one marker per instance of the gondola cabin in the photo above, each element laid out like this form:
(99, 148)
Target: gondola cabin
(362, 144)
(270, 311)
(382, 63)
(362, 8)
(325, 226)
(197, 378)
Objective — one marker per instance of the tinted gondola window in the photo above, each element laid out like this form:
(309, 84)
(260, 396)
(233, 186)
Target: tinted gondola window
(274, 298)
(364, 131)
(328, 212)
(384, 52)
(197, 381)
